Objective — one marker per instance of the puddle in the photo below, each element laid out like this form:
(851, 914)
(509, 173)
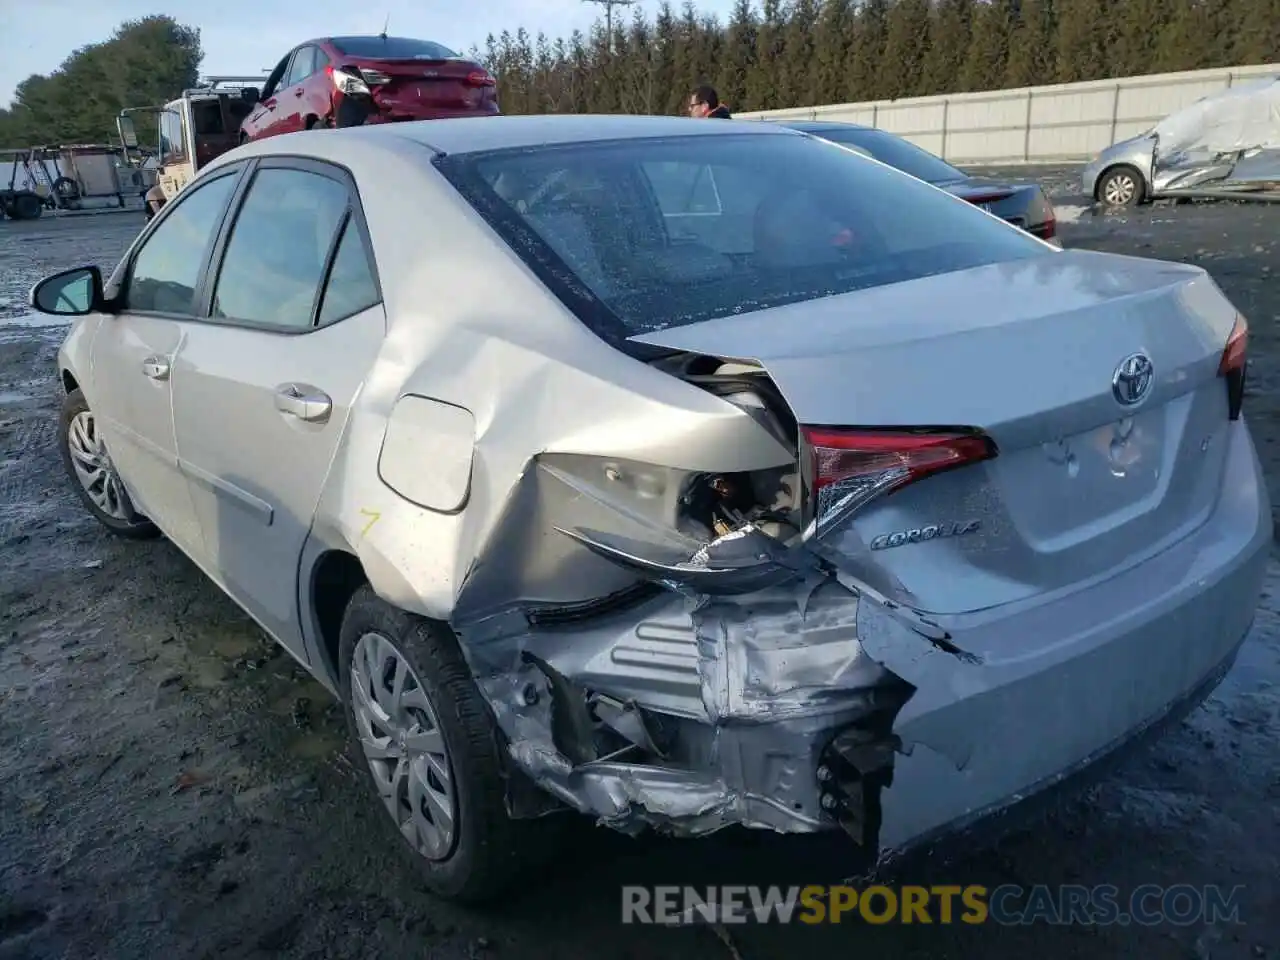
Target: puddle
(1069, 212)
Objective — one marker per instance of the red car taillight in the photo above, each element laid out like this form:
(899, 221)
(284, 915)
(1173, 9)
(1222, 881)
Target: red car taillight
(1234, 363)
(851, 467)
(480, 78)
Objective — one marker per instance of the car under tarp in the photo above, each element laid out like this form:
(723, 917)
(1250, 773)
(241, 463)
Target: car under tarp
(1225, 143)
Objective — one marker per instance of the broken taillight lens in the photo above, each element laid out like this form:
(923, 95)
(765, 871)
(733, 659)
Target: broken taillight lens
(850, 468)
(1233, 365)
(480, 78)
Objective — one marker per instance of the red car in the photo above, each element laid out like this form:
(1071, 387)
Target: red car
(346, 81)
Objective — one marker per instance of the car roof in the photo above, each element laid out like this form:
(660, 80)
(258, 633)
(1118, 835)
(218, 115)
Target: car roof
(477, 134)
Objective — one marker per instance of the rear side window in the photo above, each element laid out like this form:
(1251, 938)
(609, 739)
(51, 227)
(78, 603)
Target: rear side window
(392, 48)
(896, 152)
(643, 234)
(279, 247)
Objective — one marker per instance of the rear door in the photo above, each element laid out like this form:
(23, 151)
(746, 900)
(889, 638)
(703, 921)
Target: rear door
(293, 320)
(291, 107)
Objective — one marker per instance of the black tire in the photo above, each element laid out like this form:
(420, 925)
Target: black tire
(490, 849)
(67, 191)
(26, 206)
(1113, 185)
(137, 527)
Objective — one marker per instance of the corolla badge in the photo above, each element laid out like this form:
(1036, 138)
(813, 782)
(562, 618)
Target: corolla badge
(1133, 379)
(951, 528)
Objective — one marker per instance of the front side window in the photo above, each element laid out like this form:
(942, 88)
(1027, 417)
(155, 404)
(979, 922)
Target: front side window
(275, 260)
(782, 218)
(167, 267)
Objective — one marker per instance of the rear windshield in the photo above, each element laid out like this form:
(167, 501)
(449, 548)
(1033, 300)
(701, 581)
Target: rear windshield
(640, 235)
(896, 152)
(392, 48)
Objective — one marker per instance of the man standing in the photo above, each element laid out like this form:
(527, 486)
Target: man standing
(703, 102)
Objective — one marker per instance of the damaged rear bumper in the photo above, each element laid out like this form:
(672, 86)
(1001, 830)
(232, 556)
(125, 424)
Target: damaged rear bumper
(814, 704)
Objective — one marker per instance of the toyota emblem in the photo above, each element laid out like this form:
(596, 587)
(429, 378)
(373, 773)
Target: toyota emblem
(1132, 380)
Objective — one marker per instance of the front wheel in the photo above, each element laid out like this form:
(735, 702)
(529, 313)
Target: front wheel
(94, 475)
(430, 748)
(1122, 187)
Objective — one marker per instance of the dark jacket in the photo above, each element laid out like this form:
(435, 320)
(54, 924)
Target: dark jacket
(720, 113)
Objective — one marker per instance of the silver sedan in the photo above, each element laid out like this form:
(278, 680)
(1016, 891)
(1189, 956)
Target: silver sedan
(679, 474)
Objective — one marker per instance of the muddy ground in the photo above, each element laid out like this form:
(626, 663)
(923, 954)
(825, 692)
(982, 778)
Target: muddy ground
(172, 786)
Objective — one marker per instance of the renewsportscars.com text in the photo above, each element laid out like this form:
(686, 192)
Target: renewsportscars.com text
(1008, 905)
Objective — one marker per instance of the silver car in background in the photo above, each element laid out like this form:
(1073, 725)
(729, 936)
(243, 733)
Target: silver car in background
(1225, 146)
(680, 474)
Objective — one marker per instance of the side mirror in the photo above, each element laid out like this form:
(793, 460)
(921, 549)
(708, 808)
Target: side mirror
(250, 94)
(71, 293)
(128, 133)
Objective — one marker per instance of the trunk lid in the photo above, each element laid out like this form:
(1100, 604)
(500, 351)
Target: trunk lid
(414, 83)
(1026, 352)
(980, 191)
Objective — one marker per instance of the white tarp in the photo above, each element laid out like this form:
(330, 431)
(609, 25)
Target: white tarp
(1237, 119)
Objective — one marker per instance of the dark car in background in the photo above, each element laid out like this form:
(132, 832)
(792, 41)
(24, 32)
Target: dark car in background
(347, 81)
(1024, 205)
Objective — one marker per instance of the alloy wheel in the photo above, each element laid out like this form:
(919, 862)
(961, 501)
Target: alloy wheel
(1120, 190)
(404, 746)
(93, 467)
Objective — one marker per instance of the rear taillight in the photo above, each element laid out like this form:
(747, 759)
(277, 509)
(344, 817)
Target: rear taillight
(480, 78)
(1233, 366)
(849, 468)
(375, 78)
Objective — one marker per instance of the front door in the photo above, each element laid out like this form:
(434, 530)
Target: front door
(265, 385)
(136, 350)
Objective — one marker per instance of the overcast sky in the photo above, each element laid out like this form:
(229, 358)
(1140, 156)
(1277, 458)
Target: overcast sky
(248, 37)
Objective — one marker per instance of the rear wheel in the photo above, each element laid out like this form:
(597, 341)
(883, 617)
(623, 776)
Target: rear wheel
(26, 206)
(94, 475)
(425, 737)
(1122, 187)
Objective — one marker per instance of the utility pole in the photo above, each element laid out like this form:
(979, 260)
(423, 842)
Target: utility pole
(608, 14)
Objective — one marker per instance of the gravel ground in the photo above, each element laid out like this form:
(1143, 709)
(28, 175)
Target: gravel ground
(173, 786)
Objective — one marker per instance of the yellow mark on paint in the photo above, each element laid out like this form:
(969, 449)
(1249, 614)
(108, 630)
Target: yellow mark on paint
(374, 516)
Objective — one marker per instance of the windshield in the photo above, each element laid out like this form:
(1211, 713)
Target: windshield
(896, 152)
(392, 48)
(643, 234)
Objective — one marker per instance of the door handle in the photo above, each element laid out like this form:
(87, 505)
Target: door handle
(157, 368)
(298, 92)
(304, 402)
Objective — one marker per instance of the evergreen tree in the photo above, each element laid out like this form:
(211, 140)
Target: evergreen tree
(906, 48)
(797, 76)
(951, 30)
(987, 58)
(833, 49)
(739, 59)
(762, 81)
(1258, 40)
(1080, 42)
(866, 80)
(1032, 56)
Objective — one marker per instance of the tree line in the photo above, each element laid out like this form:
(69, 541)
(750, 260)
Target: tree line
(802, 53)
(144, 63)
(768, 54)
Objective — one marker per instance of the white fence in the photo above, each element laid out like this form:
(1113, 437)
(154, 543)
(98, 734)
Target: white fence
(1058, 123)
